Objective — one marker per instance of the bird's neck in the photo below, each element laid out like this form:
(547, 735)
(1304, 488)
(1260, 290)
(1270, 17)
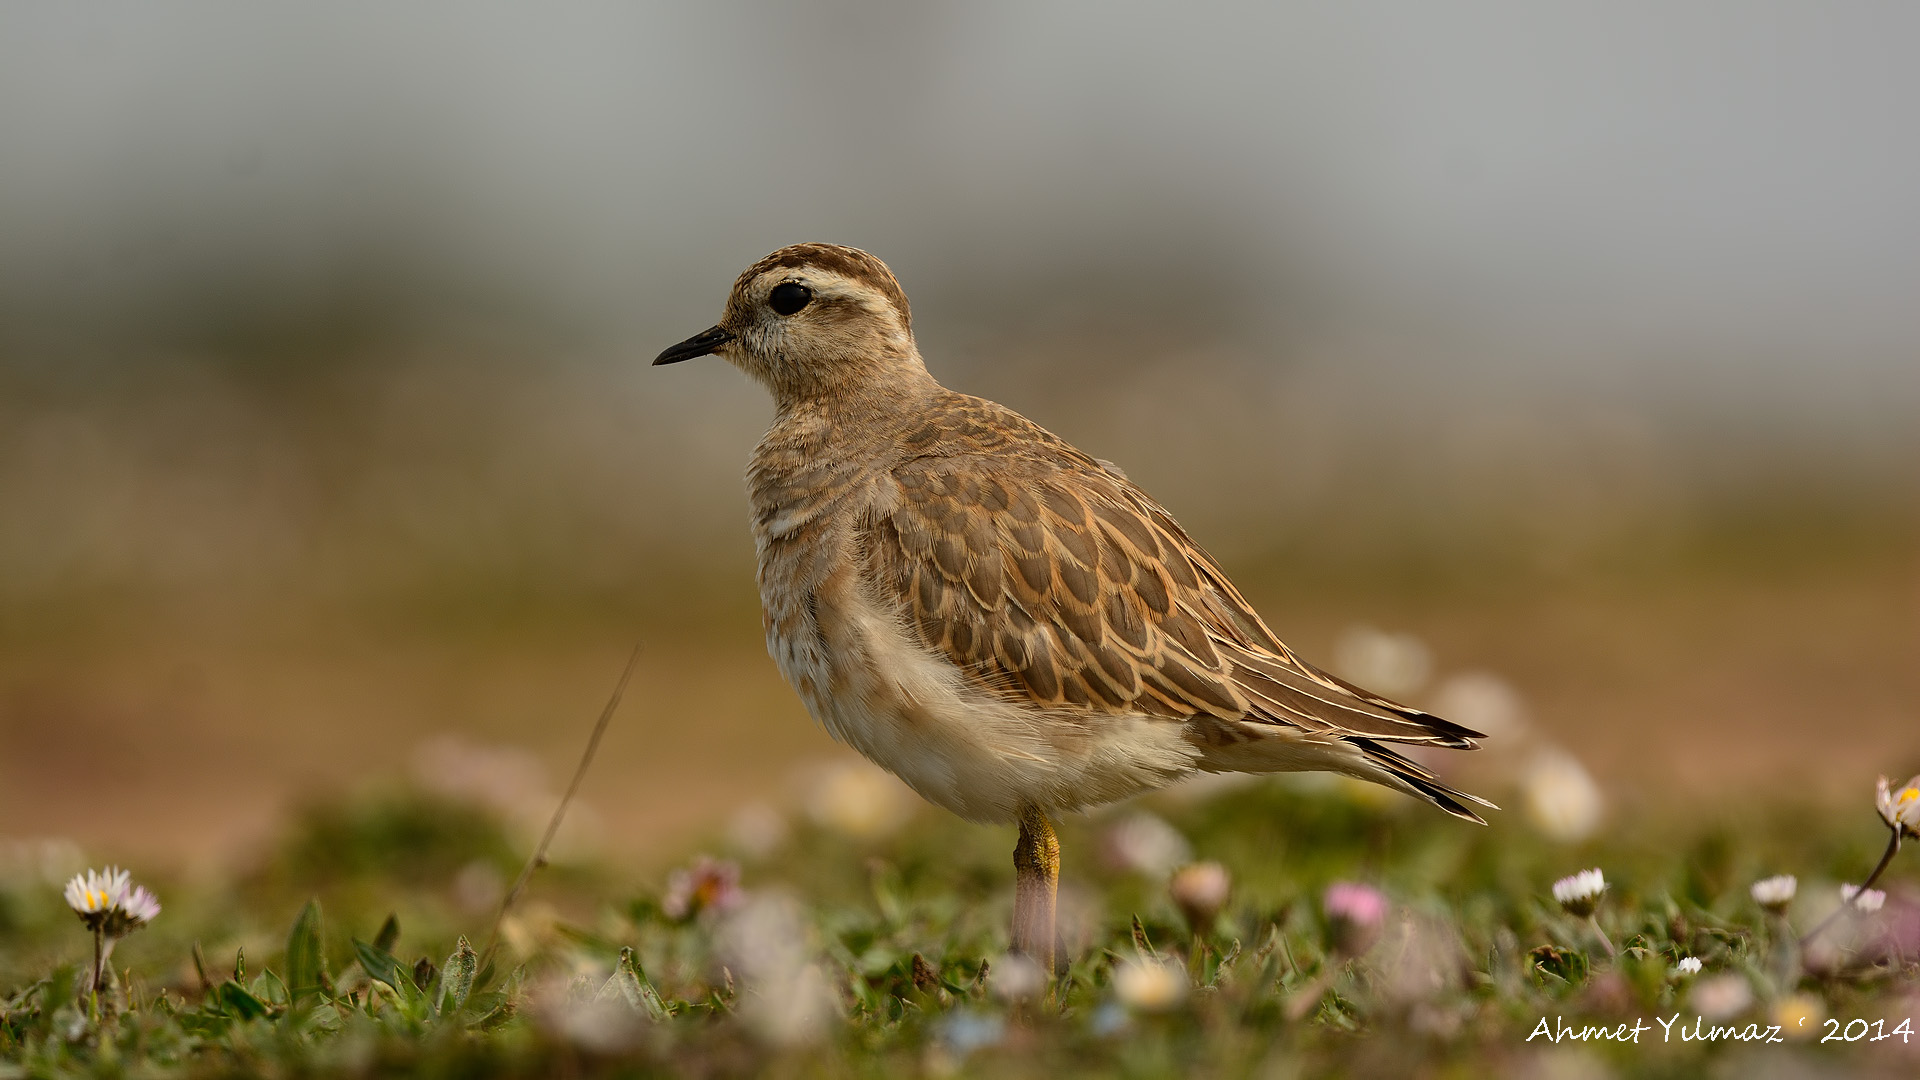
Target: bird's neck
(874, 398)
(822, 435)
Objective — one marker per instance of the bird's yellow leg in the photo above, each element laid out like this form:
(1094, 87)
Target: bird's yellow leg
(1036, 865)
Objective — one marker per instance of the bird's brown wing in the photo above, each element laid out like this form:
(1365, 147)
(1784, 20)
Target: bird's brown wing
(1053, 580)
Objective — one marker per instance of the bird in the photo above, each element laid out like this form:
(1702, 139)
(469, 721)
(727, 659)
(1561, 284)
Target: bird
(1004, 622)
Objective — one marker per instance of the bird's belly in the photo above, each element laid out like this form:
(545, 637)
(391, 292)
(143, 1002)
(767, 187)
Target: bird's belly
(913, 713)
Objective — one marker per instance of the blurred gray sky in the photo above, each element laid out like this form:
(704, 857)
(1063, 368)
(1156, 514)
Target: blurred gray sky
(1707, 196)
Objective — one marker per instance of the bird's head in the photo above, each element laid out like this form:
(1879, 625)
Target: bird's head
(813, 321)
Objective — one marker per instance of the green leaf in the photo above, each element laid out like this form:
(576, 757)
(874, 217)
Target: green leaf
(1646, 972)
(456, 980)
(484, 1000)
(630, 984)
(496, 1015)
(389, 934)
(270, 988)
(61, 986)
(211, 1020)
(1565, 965)
(200, 966)
(306, 971)
(379, 964)
(236, 1000)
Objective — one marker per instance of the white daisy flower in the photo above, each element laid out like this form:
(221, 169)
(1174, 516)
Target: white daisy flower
(1862, 899)
(1776, 892)
(109, 903)
(1899, 808)
(112, 907)
(1580, 893)
(1688, 965)
(95, 894)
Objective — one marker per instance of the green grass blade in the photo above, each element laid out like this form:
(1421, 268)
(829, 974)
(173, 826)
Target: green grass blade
(306, 966)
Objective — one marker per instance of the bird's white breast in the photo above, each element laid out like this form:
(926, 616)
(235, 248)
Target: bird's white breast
(912, 712)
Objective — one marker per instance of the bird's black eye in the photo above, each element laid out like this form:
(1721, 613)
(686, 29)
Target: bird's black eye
(789, 297)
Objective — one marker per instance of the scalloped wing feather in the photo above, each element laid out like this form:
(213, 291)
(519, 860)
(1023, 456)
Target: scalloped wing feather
(1054, 581)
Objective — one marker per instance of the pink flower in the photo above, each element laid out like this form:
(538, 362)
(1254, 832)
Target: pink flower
(1356, 914)
(708, 885)
(138, 907)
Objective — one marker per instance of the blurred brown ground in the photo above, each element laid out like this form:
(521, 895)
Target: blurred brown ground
(1672, 688)
(226, 598)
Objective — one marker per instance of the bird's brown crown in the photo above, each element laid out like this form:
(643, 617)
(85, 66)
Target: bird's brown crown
(848, 262)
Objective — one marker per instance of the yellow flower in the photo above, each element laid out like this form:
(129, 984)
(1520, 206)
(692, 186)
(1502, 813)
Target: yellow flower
(1799, 1015)
(1149, 985)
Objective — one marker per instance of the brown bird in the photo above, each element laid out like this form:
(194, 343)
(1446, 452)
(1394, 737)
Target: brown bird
(1006, 624)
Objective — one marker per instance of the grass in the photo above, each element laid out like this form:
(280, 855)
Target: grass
(354, 947)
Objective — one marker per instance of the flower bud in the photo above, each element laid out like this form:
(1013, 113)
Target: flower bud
(1200, 891)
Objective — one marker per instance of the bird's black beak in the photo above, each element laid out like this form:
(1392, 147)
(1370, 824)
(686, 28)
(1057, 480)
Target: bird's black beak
(700, 344)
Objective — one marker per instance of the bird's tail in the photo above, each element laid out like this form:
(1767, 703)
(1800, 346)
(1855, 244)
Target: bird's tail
(1416, 779)
(1269, 748)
